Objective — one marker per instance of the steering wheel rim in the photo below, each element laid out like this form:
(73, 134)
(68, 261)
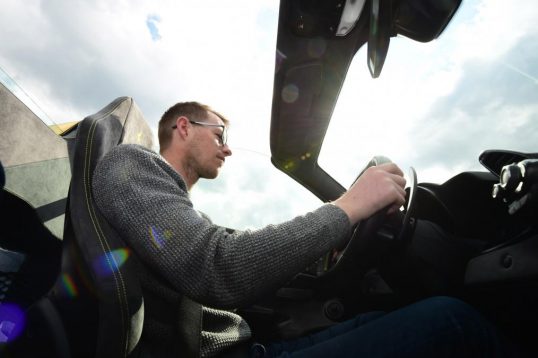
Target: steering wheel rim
(369, 239)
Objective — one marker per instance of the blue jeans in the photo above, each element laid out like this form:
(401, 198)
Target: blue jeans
(435, 327)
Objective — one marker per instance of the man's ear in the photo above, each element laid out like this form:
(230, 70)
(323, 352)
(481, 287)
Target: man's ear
(183, 126)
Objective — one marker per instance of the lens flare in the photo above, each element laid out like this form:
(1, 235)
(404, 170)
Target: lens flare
(290, 93)
(159, 236)
(12, 322)
(156, 237)
(110, 262)
(69, 285)
(289, 165)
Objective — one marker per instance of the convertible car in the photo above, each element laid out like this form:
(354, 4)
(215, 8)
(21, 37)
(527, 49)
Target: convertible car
(68, 283)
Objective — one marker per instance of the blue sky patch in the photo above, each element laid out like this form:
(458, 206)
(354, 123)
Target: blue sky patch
(151, 22)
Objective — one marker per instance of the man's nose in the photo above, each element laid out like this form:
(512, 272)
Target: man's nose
(226, 150)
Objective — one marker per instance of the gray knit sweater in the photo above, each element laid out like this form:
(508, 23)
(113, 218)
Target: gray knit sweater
(183, 253)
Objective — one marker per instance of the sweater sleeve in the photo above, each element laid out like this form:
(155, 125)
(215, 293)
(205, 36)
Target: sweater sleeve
(146, 201)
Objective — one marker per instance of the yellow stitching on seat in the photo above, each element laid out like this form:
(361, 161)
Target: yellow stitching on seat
(98, 231)
(120, 288)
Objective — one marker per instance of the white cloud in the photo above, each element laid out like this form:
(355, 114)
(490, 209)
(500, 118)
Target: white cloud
(496, 27)
(82, 54)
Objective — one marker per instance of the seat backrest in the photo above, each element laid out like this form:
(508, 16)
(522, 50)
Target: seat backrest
(93, 248)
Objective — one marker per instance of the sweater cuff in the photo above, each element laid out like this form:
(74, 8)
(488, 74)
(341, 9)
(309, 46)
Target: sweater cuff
(339, 221)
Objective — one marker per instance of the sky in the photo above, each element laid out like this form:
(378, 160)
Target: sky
(435, 106)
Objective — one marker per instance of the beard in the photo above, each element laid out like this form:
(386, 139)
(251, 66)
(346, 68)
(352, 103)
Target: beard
(208, 173)
(198, 168)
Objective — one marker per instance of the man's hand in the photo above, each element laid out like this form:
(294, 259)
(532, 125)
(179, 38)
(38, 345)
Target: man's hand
(378, 187)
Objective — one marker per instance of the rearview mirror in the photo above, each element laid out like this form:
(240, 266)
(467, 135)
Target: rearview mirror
(379, 36)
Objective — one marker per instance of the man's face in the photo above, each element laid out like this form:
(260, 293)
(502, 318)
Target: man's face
(207, 152)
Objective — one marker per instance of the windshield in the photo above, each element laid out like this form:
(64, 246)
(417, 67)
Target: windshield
(438, 105)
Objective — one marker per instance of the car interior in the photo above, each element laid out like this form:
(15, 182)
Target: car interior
(472, 237)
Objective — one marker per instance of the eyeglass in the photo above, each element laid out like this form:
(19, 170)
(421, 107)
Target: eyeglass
(223, 136)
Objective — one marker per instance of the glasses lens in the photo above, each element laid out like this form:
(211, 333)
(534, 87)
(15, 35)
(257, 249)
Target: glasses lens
(224, 136)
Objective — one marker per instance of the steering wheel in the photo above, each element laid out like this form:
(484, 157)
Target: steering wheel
(374, 236)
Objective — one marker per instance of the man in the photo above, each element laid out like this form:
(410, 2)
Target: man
(145, 197)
